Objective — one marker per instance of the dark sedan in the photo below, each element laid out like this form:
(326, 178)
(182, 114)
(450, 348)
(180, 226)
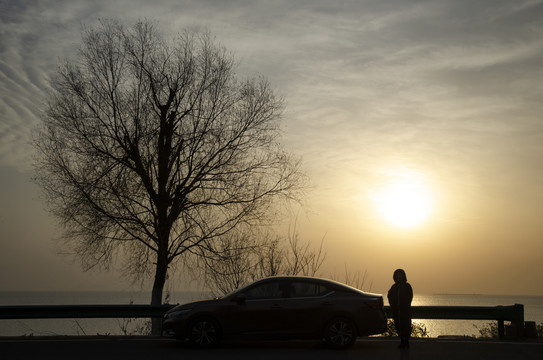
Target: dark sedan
(281, 308)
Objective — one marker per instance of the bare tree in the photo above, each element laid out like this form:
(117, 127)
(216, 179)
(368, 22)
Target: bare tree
(245, 257)
(230, 267)
(152, 148)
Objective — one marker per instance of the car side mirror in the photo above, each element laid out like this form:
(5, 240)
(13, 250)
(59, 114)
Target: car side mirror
(240, 298)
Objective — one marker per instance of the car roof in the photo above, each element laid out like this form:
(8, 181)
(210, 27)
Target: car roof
(333, 283)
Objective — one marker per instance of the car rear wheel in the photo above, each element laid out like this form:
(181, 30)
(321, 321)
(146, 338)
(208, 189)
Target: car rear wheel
(340, 333)
(204, 332)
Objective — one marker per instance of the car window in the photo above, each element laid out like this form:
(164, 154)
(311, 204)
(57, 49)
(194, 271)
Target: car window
(307, 289)
(269, 290)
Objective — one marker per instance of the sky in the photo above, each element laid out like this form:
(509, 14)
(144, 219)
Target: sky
(419, 124)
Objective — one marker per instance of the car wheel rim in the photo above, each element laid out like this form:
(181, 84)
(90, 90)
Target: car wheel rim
(204, 333)
(340, 333)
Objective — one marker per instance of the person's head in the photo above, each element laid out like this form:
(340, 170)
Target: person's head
(399, 276)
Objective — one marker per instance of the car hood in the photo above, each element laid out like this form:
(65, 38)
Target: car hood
(195, 304)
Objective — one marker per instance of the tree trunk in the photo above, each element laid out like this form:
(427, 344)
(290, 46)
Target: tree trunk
(162, 203)
(158, 289)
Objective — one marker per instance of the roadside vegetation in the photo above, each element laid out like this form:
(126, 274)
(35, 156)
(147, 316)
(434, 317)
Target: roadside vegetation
(490, 331)
(418, 330)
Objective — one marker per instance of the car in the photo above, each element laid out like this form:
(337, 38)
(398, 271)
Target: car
(282, 307)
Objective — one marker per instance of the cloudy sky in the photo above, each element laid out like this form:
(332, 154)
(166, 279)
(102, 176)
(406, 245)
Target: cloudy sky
(440, 99)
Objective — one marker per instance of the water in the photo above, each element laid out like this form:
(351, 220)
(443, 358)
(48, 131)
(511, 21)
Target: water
(533, 311)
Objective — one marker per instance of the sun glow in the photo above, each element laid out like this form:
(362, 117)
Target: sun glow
(404, 202)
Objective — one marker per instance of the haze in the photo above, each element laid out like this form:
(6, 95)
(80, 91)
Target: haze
(444, 93)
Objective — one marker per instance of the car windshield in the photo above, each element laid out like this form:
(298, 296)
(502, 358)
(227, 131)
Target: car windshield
(232, 293)
(256, 289)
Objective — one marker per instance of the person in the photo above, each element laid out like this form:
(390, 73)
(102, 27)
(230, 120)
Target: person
(400, 296)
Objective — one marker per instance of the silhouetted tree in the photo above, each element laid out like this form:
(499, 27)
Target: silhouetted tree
(247, 256)
(151, 149)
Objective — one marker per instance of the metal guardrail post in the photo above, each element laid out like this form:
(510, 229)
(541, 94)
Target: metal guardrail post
(515, 314)
(501, 329)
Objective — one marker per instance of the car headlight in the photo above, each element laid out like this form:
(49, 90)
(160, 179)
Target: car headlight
(177, 313)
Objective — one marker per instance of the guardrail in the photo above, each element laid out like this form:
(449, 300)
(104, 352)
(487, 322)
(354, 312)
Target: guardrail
(82, 311)
(512, 313)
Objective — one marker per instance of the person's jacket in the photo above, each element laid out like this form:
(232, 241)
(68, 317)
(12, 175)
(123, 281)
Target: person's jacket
(399, 298)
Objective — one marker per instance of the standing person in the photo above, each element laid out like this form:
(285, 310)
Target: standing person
(399, 298)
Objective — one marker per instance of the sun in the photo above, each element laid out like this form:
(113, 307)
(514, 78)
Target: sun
(404, 203)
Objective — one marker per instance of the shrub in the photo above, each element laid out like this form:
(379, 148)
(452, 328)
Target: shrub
(489, 330)
(417, 330)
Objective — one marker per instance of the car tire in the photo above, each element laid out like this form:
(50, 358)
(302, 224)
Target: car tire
(204, 332)
(340, 333)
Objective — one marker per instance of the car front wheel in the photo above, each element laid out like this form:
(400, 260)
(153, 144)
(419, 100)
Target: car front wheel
(204, 332)
(340, 333)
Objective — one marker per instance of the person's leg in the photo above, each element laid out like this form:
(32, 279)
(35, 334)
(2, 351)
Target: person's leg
(398, 327)
(404, 332)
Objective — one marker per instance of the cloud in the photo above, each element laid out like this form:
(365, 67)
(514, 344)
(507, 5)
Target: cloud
(370, 77)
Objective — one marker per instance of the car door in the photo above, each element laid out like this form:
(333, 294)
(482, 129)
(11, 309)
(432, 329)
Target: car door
(261, 313)
(309, 305)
